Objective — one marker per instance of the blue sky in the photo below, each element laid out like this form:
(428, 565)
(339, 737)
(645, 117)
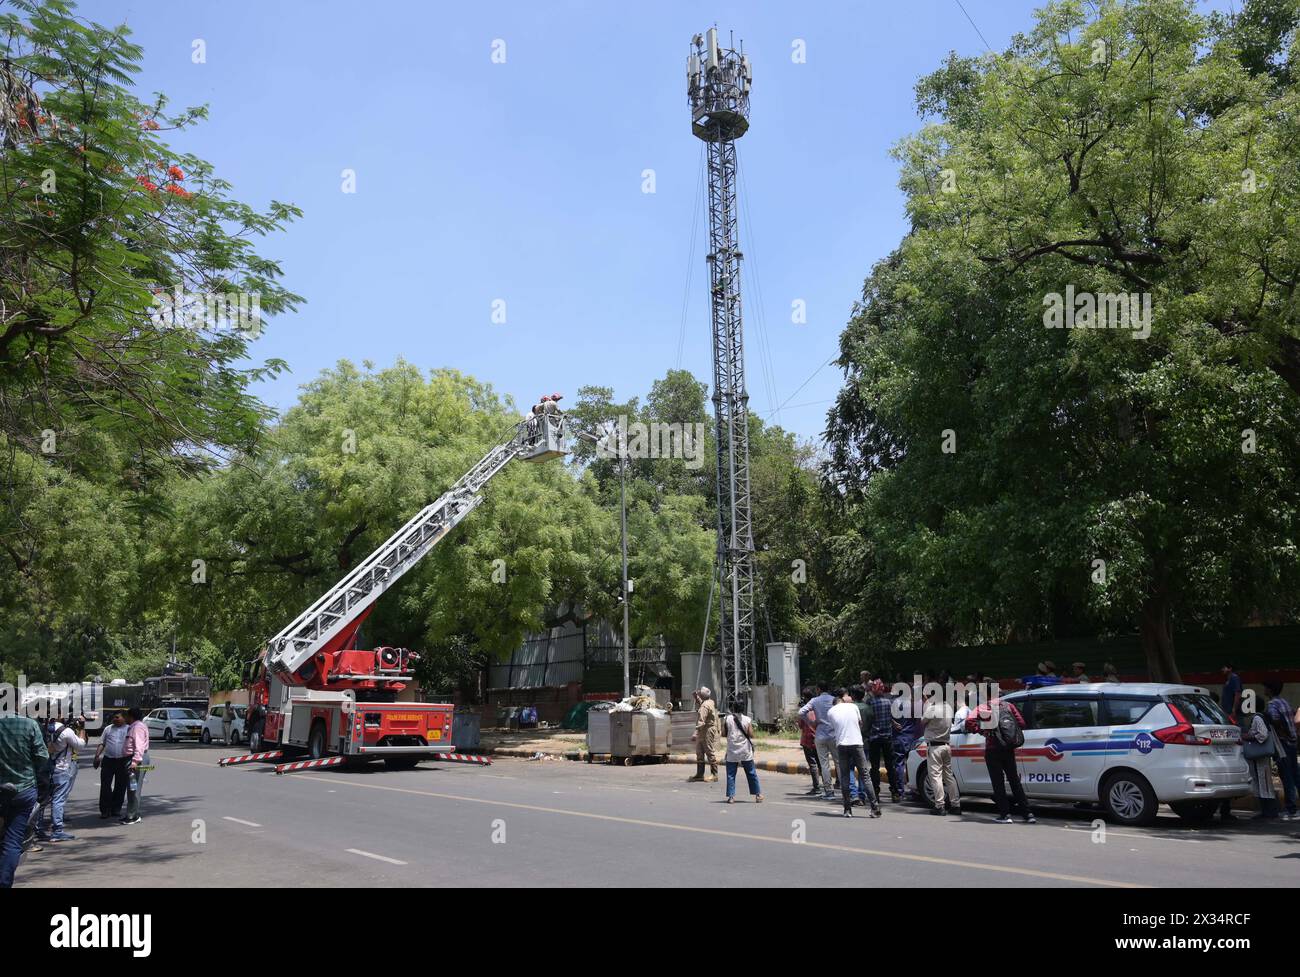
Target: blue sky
(522, 181)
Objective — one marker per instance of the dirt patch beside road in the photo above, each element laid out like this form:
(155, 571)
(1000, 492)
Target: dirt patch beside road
(778, 749)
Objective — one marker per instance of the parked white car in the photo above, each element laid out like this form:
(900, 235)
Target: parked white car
(1129, 746)
(213, 728)
(174, 723)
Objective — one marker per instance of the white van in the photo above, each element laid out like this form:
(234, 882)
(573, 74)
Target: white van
(1129, 746)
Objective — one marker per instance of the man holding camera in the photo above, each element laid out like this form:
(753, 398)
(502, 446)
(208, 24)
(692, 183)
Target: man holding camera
(64, 742)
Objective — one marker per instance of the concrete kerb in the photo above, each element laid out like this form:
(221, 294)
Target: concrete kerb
(770, 766)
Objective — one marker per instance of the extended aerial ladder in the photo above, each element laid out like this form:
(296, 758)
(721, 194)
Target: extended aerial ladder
(319, 696)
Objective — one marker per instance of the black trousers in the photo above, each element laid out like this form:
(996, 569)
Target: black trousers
(112, 785)
(1001, 763)
(851, 758)
(882, 750)
(810, 755)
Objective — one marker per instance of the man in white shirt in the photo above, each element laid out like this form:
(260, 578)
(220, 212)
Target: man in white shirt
(845, 720)
(110, 757)
(64, 743)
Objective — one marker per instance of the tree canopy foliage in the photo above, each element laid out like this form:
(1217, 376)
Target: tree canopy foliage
(103, 400)
(997, 467)
(1002, 480)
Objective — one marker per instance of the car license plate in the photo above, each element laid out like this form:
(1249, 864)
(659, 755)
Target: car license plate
(1224, 747)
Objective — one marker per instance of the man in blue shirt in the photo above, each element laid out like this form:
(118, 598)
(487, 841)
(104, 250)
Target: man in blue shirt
(824, 736)
(1280, 716)
(1230, 697)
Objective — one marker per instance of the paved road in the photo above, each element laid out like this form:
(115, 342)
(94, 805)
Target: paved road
(562, 824)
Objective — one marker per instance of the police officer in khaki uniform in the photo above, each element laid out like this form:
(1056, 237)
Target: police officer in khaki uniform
(706, 737)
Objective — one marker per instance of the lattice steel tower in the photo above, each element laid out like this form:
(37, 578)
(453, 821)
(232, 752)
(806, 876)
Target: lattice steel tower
(718, 83)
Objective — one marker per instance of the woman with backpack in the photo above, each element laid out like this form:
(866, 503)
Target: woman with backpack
(1002, 726)
(740, 752)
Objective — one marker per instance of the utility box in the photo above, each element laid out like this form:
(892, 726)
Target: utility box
(700, 670)
(465, 730)
(763, 700)
(783, 672)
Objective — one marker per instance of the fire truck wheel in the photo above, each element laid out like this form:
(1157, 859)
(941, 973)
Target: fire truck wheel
(316, 742)
(401, 762)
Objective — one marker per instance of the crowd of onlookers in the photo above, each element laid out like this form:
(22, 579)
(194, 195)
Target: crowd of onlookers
(855, 732)
(38, 768)
(849, 734)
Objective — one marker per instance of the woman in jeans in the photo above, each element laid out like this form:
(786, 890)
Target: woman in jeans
(740, 752)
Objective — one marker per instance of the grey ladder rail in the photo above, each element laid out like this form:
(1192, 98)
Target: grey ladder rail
(311, 630)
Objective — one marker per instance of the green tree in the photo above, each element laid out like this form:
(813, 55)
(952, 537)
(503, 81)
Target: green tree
(1005, 480)
(673, 525)
(357, 457)
(104, 400)
(100, 219)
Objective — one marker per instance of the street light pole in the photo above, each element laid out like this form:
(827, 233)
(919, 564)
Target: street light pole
(622, 512)
(622, 505)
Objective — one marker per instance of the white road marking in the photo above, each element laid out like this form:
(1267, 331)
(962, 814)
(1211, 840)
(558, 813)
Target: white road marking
(378, 858)
(745, 836)
(635, 790)
(251, 824)
(1128, 834)
(1241, 842)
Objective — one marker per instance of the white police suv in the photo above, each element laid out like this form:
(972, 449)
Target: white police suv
(1130, 747)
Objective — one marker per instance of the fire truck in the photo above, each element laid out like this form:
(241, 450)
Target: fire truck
(317, 698)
